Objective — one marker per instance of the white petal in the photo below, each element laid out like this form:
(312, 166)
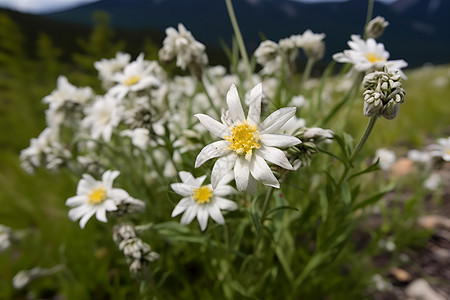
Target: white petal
(108, 178)
(182, 189)
(213, 126)
(254, 111)
(215, 214)
(226, 179)
(213, 150)
(199, 181)
(275, 156)
(86, 184)
(234, 105)
(86, 218)
(182, 206)
(276, 119)
(189, 215)
(186, 177)
(78, 212)
(222, 166)
(226, 204)
(261, 171)
(76, 200)
(118, 194)
(109, 205)
(279, 140)
(252, 185)
(202, 217)
(224, 190)
(241, 173)
(101, 215)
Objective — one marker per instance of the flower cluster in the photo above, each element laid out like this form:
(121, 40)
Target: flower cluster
(383, 94)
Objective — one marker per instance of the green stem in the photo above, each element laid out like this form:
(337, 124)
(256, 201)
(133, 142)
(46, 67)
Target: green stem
(369, 15)
(364, 137)
(216, 109)
(308, 69)
(239, 38)
(266, 203)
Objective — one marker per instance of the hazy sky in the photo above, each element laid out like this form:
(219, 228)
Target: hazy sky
(43, 6)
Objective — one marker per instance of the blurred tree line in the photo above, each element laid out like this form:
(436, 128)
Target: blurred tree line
(30, 65)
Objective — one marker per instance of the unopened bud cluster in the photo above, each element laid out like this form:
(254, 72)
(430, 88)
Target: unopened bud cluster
(383, 94)
(300, 155)
(137, 252)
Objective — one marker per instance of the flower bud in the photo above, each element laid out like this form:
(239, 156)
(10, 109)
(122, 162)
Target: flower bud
(383, 94)
(375, 27)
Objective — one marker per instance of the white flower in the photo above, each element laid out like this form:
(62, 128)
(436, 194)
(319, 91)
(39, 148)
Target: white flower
(368, 56)
(46, 150)
(67, 92)
(423, 157)
(95, 197)
(291, 126)
(311, 43)
(441, 149)
(268, 55)
(103, 116)
(139, 137)
(136, 76)
(433, 182)
(5, 234)
(200, 200)
(183, 45)
(386, 158)
(247, 143)
(107, 68)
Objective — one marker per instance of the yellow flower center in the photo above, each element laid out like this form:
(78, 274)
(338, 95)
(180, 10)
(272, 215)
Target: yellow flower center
(97, 196)
(373, 58)
(132, 80)
(447, 151)
(202, 194)
(244, 138)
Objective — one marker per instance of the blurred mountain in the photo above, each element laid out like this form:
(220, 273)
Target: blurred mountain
(418, 30)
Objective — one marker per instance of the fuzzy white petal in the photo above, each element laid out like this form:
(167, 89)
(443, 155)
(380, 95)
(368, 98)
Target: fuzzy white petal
(241, 173)
(234, 105)
(76, 200)
(213, 150)
(86, 218)
(108, 178)
(216, 215)
(213, 126)
(226, 204)
(275, 156)
(101, 215)
(261, 171)
(224, 190)
(189, 215)
(276, 119)
(254, 111)
(182, 189)
(202, 217)
(78, 212)
(279, 140)
(222, 166)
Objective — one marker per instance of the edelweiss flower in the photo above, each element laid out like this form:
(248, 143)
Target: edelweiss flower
(95, 197)
(247, 143)
(201, 200)
(136, 76)
(311, 43)
(184, 46)
(67, 92)
(368, 56)
(268, 55)
(108, 67)
(104, 115)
